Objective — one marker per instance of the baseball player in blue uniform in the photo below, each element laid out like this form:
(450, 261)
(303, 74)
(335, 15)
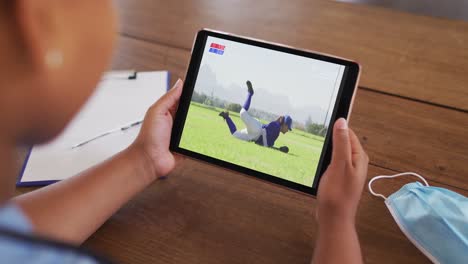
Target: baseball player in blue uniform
(261, 134)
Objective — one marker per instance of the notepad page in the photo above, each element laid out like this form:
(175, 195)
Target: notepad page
(115, 103)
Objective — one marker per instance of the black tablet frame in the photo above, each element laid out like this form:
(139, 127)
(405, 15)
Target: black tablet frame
(342, 106)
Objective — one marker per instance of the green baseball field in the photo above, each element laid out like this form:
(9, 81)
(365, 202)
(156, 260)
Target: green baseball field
(207, 133)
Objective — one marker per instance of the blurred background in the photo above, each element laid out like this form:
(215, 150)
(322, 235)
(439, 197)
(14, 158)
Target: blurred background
(454, 9)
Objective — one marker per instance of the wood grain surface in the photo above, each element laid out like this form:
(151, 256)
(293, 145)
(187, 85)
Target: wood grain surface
(411, 114)
(204, 214)
(413, 56)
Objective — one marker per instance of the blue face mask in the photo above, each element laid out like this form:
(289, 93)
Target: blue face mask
(434, 219)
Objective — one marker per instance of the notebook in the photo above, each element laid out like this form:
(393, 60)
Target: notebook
(106, 125)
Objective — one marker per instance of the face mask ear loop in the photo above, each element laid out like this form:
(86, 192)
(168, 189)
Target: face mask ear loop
(369, 186)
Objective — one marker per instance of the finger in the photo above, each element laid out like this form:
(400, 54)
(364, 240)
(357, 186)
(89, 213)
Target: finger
(170, 99)
(173, 109)
(356, 147)
(341, 144)
(359, 156)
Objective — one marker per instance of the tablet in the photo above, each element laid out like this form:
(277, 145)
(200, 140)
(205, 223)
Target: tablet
(262, 109)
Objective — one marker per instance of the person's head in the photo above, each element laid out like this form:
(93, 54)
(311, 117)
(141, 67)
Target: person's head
(52, 54)
(285, 123)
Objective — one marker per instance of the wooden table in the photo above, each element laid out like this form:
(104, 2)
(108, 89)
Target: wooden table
(411, 114)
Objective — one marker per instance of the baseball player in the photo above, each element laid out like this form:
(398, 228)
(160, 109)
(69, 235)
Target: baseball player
(261, 134)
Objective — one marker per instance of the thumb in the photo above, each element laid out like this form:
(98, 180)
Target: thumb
(170, 98)
(341, 143)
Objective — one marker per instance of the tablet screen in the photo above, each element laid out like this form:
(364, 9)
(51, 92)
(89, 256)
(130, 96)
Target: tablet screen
(262, 109)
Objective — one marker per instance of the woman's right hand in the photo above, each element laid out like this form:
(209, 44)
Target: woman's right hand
(342, 183)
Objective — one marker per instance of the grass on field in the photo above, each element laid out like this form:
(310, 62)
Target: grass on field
(207, 133)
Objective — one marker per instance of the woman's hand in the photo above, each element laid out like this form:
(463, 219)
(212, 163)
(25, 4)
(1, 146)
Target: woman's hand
(155, 134)
(92, 192)
(342, 183)
(338, 198)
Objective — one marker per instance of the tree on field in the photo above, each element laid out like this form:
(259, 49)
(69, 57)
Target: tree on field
(199, 97)
(314, 128)
(234, 107)
(208, 102)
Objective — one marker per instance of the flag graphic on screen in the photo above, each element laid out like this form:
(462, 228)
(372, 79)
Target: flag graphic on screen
(217, 48)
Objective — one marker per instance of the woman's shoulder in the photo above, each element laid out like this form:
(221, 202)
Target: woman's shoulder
(18, 245)
(13, 218)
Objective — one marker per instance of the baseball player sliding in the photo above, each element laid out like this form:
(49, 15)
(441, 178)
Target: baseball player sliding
(261, 134)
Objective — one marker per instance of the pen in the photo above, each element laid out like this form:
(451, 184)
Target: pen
(131, 125)
(107, 133)
(126, 75)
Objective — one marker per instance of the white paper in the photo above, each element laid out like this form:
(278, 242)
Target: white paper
(116, 103)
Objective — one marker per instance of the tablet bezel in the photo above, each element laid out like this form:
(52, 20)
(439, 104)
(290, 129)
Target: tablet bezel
(341, 109)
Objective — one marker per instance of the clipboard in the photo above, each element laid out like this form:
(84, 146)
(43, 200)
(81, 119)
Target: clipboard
(120, 101)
